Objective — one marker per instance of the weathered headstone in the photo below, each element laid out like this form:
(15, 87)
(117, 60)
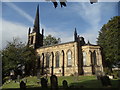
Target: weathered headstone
(98, 77)
(12, 74)
(65, 84)
(38, 75)
(119, 84)
(75, 77)
(108, 81)
(22, 85)
(18, 78)
(44, 82)
(54, 82)
(105, 81)
(119, 74)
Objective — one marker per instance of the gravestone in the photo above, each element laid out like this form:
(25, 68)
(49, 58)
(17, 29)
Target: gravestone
(119, 74)
(108, 81)
(44, 82)
(119, 84)
(98, 77)
(65, 84)
(54, 82)
(22, 85)
(75, 77)
(12, 74)
(18, 78)
(105, 81)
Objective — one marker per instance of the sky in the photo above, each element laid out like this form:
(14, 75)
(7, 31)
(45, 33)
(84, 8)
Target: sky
(87, 18)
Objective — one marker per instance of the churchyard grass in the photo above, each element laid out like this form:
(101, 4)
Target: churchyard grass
(85, 81)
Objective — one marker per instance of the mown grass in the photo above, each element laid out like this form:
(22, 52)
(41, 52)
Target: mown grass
(73, 79)
(77, 81)
(31, 82)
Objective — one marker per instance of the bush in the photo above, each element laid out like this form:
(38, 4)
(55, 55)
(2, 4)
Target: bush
(107, 71)
(115, 74)
(5, 79)
(112, 73)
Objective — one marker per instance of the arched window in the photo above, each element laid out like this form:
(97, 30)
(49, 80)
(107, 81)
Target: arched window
(57, 59)
(94, 58)
(84, 59)
(42, 63)
(32, 37)
(38, 62)
(69, 58)
(47, 59)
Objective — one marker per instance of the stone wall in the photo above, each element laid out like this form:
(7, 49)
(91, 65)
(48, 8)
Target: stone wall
(93, 63)
(62, 49)
(90, 67)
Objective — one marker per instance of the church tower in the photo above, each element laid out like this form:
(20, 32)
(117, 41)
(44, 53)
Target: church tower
(35, 38)
(78, 39)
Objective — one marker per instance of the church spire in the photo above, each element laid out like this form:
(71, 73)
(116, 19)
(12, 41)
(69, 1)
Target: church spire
(75, 31)
(88, 43)
(75, 35)
(36, 22)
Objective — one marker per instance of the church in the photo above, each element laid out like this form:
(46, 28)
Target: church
(65, 59)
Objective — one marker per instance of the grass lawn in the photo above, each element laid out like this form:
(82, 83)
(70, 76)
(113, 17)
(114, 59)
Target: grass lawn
(85, 81)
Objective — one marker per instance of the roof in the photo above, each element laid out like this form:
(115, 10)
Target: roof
(89, 44)
(56, 44)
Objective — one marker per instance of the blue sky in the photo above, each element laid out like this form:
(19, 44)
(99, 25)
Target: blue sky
(60, 22)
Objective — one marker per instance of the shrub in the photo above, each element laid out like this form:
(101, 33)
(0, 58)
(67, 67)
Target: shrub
(5, 79)
(115, 74)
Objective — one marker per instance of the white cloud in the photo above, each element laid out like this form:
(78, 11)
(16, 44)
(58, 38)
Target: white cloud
(92, 15)
(57, 32)
(12, 30)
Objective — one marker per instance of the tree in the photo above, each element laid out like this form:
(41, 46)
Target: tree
(17, 53)
(63, 2)
(109, 40)
(51, 40)
(55, 3)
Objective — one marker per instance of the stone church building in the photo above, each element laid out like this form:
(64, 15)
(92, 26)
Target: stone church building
(65, 59)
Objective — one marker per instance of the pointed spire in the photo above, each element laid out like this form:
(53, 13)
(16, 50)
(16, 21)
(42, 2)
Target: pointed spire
(88, 43)
(75, 31)
(29, 30)
(42, 31)
(36, 22)
(75, 35)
